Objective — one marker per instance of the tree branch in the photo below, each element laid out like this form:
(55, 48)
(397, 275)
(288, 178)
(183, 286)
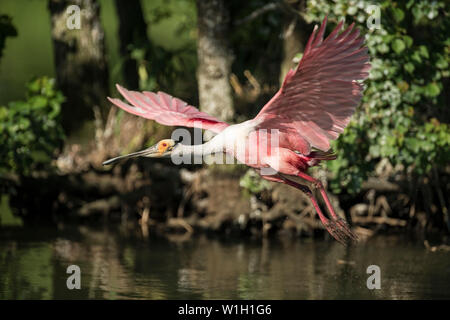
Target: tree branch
(258, 12)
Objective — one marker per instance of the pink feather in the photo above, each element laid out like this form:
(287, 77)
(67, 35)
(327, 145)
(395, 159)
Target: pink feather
(316, 101)
(166, 110)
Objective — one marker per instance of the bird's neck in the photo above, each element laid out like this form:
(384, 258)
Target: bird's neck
(224, 142)
(211, 147)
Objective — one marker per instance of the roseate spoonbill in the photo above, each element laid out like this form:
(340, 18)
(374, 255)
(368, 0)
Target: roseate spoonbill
(312, 107)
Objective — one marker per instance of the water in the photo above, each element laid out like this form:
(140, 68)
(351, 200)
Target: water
(118, 265)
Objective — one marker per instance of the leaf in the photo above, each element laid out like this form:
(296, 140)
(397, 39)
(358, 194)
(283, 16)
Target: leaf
(410, 4)
(442, 63)
(3, 113)
(403, 86)
(409, 67)
(374, 150)
(352, 10)
(399, 15)
(416, 57)
(408, 41)
(412, 144)
(39, 102)
(398, 45)
(383, 48)
(424, 52)
(24, 123)
(432, 89)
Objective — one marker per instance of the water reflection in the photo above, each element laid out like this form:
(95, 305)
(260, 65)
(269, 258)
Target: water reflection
(115, 265)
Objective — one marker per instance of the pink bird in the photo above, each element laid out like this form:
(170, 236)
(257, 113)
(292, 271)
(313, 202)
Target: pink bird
(312, 107)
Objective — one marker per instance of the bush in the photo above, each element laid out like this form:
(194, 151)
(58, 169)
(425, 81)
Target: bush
(404, 115)
(30, 130)
(253, 183)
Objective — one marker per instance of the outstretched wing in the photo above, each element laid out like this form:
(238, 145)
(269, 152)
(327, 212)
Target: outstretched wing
(166, 110)
(317, 99)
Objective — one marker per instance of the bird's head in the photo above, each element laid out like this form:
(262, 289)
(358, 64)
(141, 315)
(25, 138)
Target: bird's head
(162, 149)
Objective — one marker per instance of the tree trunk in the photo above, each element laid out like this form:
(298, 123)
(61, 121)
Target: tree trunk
(294, 40)
(132, 31)
(214, 58)
(80, 62)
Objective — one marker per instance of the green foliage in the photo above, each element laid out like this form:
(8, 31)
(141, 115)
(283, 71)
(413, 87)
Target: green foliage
(253, 183)
(256, 43)
(162, 69)
(30, 130)
(6, 30)
(168, 64)
(404, 96)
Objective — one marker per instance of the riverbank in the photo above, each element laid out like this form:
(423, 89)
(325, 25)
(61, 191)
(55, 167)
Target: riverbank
(191, 200)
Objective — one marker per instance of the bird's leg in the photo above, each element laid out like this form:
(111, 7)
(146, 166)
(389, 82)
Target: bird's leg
(318, 185)
(332, 228)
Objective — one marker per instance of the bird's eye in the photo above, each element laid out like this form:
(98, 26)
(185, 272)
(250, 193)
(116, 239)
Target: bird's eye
(164, 144)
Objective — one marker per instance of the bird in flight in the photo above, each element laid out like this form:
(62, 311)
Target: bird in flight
(312, 107)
